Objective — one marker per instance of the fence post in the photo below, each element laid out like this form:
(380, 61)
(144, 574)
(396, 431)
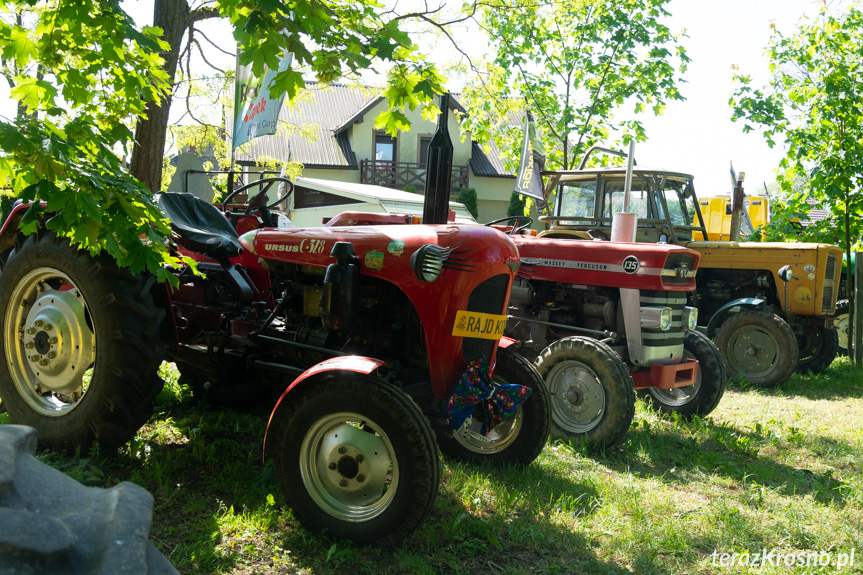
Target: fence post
(857, 328)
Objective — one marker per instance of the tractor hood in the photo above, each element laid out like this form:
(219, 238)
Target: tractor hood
(610, 264)
(815, 269)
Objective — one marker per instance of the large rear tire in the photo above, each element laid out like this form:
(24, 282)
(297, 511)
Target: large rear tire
(356, 458)
(818, 347)
(53, 524)
(758, 346)
(843, 329)
(592, 398)
(518, 439)
(81, 346)
(701, 397)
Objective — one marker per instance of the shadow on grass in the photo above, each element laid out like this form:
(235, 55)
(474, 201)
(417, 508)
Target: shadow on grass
(842, 380)
(459, 537)
(726, 450)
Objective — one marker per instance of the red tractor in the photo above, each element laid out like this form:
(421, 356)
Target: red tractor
(604, 319)
(361, 332)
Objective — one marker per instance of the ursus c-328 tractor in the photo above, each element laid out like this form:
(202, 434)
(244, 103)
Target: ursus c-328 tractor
(357, 330)
(604, 319)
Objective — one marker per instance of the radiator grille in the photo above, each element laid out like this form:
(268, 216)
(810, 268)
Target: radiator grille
(829, 300)
(487, 297)
(655, 337)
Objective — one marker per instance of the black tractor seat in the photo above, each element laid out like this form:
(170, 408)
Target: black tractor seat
(201, 226)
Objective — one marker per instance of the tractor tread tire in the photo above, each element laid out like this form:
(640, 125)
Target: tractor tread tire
(826, 349)
(711, 373)
(129, 350)
(612, 374)
(842, 331)
(785, 343)
(387, 405)
(54, 525)
(536, 413)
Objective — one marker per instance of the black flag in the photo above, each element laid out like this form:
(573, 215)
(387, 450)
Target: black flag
(530, 165)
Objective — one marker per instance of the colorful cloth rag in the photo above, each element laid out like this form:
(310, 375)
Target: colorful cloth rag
(476, 395)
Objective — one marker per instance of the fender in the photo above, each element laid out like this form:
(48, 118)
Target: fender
(9, 229)
(355, 363)
(722, 314)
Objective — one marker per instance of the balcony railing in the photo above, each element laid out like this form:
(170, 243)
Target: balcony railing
(400, 175)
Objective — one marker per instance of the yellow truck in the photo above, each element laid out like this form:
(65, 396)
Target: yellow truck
(768, 306)
(716, 211)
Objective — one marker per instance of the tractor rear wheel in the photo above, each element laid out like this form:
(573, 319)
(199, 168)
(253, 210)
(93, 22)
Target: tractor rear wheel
(701, 397)
(758, 346)
(592, 398)
(843, 329)
(53, 524)
(818, 347)
(81, 346)
(519, 438)
(356, 458)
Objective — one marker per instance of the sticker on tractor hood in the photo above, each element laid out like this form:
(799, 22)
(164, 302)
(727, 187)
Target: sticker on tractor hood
(481, 325)
(809, 268)
(307, 246)
(629, 265)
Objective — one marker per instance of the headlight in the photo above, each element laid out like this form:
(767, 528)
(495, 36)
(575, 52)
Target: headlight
(427, 262)
(247, 240)
(657, 317)
(690, 317)
(665, 318)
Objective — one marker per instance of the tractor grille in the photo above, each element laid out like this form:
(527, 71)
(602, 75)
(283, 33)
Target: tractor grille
(487, 297)
(655, 337)
(829, 300)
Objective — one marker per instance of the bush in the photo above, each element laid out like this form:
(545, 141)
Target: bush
(516, 205)
(467, 196)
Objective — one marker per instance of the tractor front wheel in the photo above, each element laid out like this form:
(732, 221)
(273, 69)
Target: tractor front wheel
(356, 458)
(701, 397)
(81, 347)
(592, 398)
(519, 438)
(758, 346)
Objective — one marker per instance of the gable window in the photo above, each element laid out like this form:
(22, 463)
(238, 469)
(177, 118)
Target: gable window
(385, 147)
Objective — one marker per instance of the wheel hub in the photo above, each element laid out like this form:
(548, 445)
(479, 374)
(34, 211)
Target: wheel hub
(353, 464)
(578, 398)
(754, 350)
(57, 340)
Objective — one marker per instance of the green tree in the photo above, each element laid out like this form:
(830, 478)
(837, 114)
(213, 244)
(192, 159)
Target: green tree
(577, 65)
(467, 196)
(813, 104)
(516, 205)
(85, 74)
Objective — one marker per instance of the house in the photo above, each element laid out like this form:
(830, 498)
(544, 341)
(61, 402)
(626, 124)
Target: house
(341, 143)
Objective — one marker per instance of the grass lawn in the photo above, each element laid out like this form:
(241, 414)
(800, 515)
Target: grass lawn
(778, 469)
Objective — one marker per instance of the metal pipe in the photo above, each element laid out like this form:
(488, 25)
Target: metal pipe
(609, 334)
(627, 185)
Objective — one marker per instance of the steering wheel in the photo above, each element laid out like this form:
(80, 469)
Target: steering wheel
(289, 188)
(598, 234)
(516, 228)
(259, 200)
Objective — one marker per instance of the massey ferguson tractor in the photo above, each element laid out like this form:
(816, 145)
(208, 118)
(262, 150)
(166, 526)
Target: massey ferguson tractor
(603, 319)
(367, 337)
(766, 305)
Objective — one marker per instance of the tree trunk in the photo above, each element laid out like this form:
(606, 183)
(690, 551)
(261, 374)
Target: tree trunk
(173, 17)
